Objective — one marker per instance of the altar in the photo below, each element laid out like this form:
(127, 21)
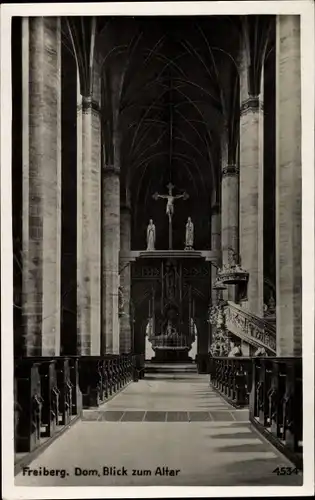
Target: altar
(170, 292)
(169, 288)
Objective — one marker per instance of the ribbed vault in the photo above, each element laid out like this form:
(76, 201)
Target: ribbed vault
(176, 83)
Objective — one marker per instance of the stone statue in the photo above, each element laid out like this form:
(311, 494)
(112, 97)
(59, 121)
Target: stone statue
(149, 328)
(235, 351)
(220, 345)
(151, 236)
(271, 304)
(121, 301)
(189, 240)
(261, 351)
(193, 328)
(232, 258)
(170, 331)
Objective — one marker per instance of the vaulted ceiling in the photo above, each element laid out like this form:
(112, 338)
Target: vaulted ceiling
(179, 75)
(180, 91)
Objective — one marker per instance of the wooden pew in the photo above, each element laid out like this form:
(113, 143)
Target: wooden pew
(28, 406)
(50, 395)
(65, 390)
(74, 380)
(90, 380)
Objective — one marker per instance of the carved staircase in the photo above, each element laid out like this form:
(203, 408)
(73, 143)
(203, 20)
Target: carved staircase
(258, 332)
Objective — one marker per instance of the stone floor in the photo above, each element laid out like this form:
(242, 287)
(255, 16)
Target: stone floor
(158, 425)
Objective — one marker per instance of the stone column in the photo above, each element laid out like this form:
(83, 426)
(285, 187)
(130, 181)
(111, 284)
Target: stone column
(125, 278)
(111, 247)
(89, 222)
(111, 220)
(216, 246)
(229, 214)
(41, 74)
(288, 187)
(251, 192)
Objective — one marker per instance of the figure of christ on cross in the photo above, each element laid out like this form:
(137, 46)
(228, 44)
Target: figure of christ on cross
(170, 207)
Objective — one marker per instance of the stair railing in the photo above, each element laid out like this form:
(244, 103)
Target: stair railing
(251, 328)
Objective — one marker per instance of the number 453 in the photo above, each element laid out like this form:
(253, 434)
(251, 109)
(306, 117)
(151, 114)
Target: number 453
(285, 471)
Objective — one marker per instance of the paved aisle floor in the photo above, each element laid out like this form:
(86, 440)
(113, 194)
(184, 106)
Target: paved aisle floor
(156, 426)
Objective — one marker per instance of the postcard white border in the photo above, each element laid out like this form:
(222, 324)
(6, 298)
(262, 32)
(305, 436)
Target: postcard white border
(305, 8)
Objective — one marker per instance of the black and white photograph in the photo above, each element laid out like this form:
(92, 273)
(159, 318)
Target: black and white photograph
(157, 226)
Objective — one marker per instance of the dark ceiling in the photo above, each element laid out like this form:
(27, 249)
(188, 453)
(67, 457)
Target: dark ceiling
(179, 75)
(180, 91)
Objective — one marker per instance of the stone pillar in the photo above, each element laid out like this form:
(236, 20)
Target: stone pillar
(288, 187)
(41, 54)
(111, 219)
(229, 214)
(251, 193)
(89, 222)
(111, 247)
(125, 279)
(216, 246)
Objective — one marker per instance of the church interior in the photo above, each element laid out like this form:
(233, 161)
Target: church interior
(156, 202)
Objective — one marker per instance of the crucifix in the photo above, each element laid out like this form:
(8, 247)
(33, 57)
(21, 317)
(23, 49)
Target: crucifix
(170, 208)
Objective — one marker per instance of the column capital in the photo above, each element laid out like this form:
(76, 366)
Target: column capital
(230, 170)
(88, 104)
(111, 170)
(252, 104)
